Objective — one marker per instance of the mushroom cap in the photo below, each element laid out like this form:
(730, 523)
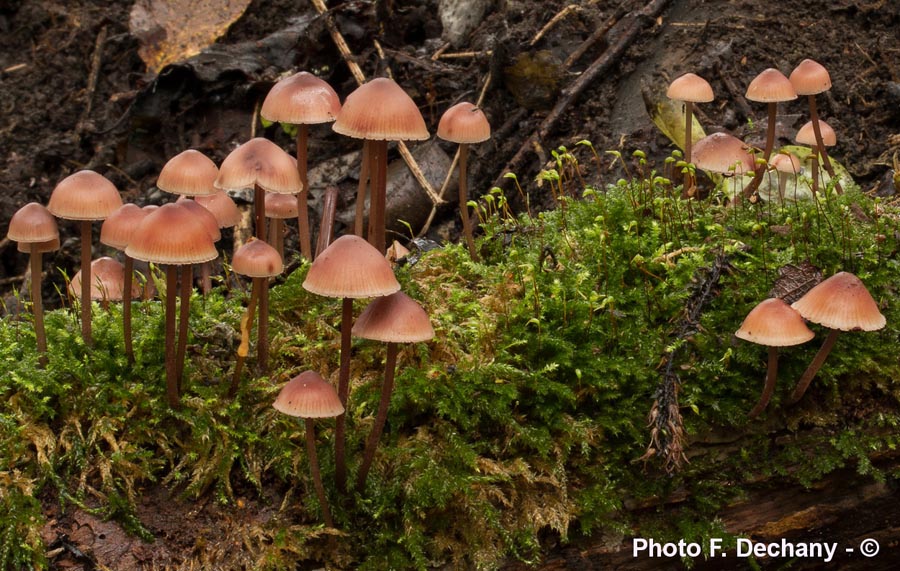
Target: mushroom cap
(771, 86)
(257, 259)
(203, 215)
(119, 227)
(775, 324)
(107, 281)
(259, 162)
(173, 235)
(39, 247)
(395, 318)
(690, 87)
(785, 162)
(807, 135)
(841, 302)
(281, 205)
(810, 77)
(189, 173)
(84, 195)
(32, 223)
(464, 123)
(222, 207)
(308, 395)
(722, 153)
(351, 267)
(301, 99)
(381, 111)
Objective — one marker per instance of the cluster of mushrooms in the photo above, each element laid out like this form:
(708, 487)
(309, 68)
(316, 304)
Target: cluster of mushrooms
(727, 155)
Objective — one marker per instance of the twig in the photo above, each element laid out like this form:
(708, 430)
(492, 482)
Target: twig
(595, 37)
(96, 62)
(462, 55)
(15, 67)
(440, 50)
(553, 21)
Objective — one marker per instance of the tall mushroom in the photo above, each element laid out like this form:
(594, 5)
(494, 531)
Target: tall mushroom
(309, 396)
(774, 324)
(464, 123)
(841, 303)
(393, 319)
(807, 136)
(85, 196)
(302, 100)
(689, 88)
(350, 268)
(378, 112)
(811, 78)
(771, 87)
(33, 227)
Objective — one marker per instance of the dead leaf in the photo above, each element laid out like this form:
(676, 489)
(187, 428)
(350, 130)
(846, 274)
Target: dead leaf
(794, 281)
(173, 30)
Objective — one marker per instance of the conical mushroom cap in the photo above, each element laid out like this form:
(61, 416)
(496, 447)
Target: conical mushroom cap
(107, 281)
(395, 318)
(381, 111)
(771, 86)
(690, 87)
(171, 235)
(841, 302)
(32, 223)
(189, 173)
(259, 161)
(722, 153)
(807, 135)
(810, 78)
(301, 99)
(351, 267)
(257, 259)
(222, 207)
(775, 324)
(120, 226)
(202, 214)
(308, 395)
(464, 123)
(84, 195)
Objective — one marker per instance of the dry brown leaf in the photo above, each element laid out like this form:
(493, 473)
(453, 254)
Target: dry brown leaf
(173, 30)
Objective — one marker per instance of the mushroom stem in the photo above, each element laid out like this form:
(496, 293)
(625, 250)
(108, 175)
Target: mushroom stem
(259, 208)
(37, 302)
(171, 294)
(770, 144)
(302, 196)
(378, 200)
(246, 326)
(364, 170)
(814, 367)
(86, 283)
(315, 472)
(688, 143)
(464, 200)
(187, 278)
(329, 207)
(126, 308)
(826, 162)
(262, 328)
(387, 388)
(205, 279)
(276, 236)
(782, 185)
(340, 465)
(769, 388)
(814, 159)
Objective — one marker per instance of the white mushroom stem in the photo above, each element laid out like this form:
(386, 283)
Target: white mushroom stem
(814, 366)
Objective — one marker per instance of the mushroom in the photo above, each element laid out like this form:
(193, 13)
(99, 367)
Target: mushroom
(724, 154)
(309, 396)
(85, 196)
(807, 136)
(772, 323)
(259, 261)
(348, 268)
(35, 229)
(380, 111)
(811, 78)
(394, 319)
(786, 165)
(108, 282)
(841, 303)
(771, 87)
(689, 88)
(280, 207)
(301, 100)
(464, 123)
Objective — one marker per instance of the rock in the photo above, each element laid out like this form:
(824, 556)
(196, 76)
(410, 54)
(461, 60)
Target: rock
(460, 18)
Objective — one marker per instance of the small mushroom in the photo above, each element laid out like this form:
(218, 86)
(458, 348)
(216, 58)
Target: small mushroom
(770, 87)
(811, 78)
(807, 136)
(689, 88)
(772, 323)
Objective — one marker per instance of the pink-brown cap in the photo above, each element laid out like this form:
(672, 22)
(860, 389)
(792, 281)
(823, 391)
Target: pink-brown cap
(204, 216)
(464, 123)
(690, 87)
(775, 324)
(807, 135)
(771, 86)
(32, 223)
(39, 247)
(351, 267)
(257, 259)
(394, 318)
(108, 281)
(308, 395)
(84, 195)
(301, 99)
(785, 162)
(841, 302)
(281, 205)
(222, 207)
(810, 77)
(119, 227)
(171, 235)
(189, 173)
(259, 162)
(381, 111)
(722, 153)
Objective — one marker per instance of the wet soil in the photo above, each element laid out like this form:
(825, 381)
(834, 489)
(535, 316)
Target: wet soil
(52, 122)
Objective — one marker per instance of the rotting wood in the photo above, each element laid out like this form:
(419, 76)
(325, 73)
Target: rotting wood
(626, 31)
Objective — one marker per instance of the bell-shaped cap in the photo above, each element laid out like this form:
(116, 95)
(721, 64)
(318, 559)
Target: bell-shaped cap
(189, 173)
(785, 162)
(775, 324)
(120, 226)
(84, 195)
(841, 302)
(301, 99)
(351, 267)
(172, 235)
(395, 318)
(32, 223)
(381, 111)
(807, 135)
(259, 162)
(222, 207)
(257, 259)
(810, 78)
(722, 153)
(464, 123)
(204, 216)
(281, 206)
(107, 281)
(771, 86)
(308, 395)
(690, 87)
